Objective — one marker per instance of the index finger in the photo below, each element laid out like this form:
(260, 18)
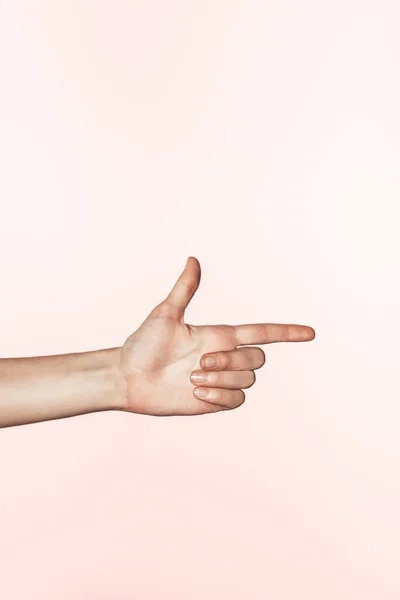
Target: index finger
(268, 333)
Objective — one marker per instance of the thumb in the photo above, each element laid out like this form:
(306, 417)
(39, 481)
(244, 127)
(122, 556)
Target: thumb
(186, 286)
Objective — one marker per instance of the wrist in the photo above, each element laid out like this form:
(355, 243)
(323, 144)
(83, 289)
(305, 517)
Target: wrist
(115, 381)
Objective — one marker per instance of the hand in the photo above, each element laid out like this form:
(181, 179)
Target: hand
(158, 359)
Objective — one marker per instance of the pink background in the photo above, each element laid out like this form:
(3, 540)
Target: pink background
(264, 139)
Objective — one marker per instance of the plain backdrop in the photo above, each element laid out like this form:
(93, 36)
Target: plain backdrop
(263, 138)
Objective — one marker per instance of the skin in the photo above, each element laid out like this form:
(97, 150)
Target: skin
(152, 373)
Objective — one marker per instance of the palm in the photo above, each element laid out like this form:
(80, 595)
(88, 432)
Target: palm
(159, 357)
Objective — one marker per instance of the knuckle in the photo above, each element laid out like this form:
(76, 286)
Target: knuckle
(221, 378)
(222, 397)
(252, 378)
(261, 356)
(214, 380)
(226, 398)
(230, 400)
(160, 309)
(240, 399)
(166, 309)
(190, 286)
(226, 360)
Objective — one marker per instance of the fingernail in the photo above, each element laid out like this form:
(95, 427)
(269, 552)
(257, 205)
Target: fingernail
(199, 377)
(210, 361)
(201, 392)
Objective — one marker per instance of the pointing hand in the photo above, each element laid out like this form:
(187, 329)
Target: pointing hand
(162, 361)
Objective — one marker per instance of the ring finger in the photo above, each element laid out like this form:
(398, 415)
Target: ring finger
(230, 380)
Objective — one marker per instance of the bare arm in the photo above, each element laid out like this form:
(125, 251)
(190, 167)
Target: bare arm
(51, 387)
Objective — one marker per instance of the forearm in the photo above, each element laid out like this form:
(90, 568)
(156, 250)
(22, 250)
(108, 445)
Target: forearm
(41, 388)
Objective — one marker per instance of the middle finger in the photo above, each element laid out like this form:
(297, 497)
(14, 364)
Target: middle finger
(240, 359)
